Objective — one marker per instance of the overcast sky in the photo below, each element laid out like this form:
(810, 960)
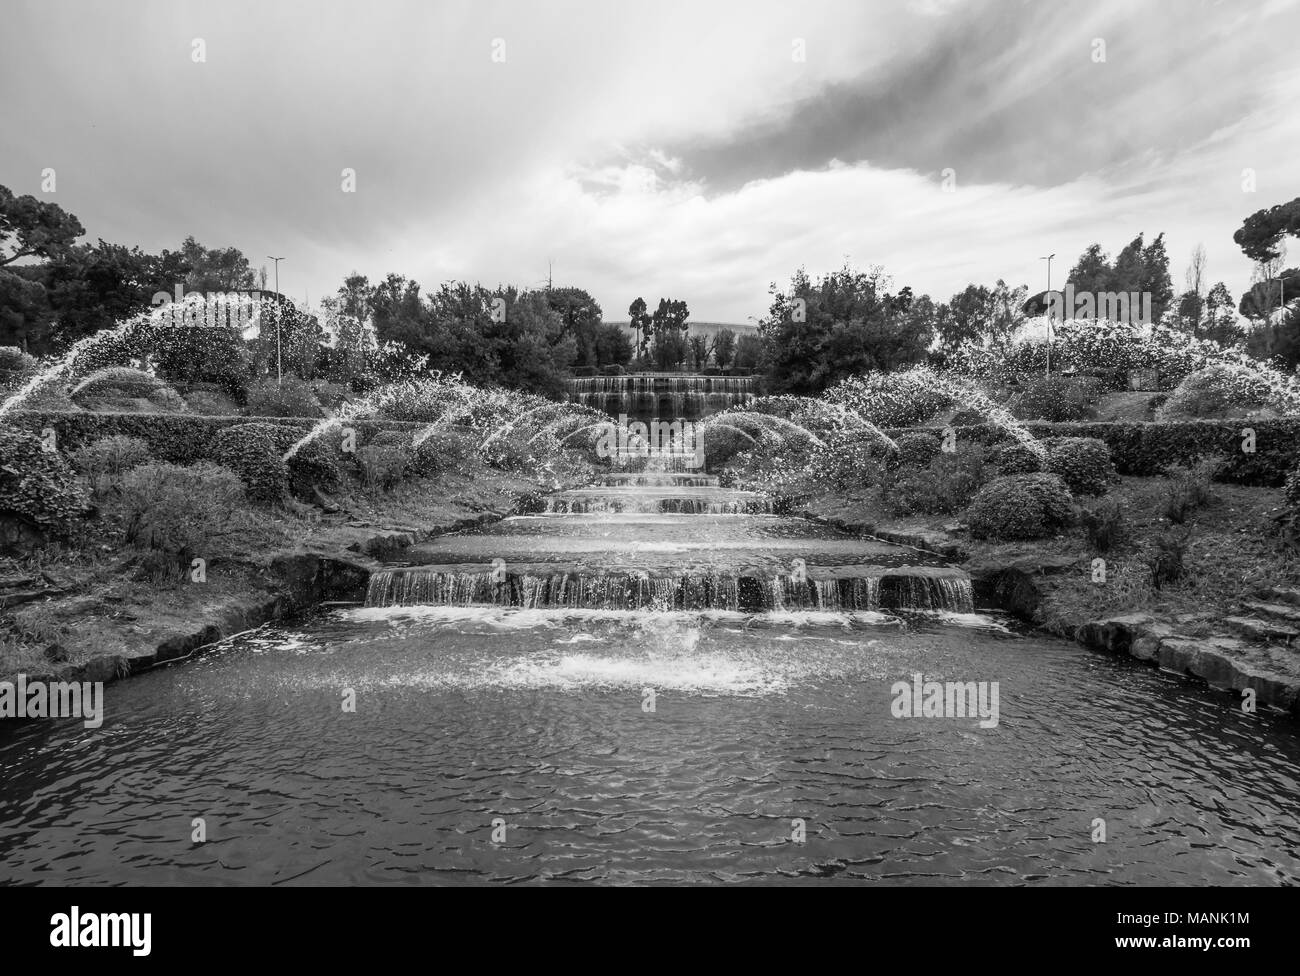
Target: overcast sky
(657, 149)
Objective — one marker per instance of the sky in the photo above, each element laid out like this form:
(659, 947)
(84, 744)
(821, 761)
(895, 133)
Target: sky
(666, 149)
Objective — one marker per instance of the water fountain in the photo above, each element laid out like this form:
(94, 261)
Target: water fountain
(142, 332)
(655, 533)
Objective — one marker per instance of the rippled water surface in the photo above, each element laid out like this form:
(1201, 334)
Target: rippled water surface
(466, 716)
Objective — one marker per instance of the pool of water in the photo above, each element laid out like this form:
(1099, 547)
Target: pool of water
(641, 747)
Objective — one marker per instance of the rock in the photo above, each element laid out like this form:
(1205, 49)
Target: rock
(1014, 583)
(23, 596)
(1280, 612)
(1261, 630)
(1114, 633)
(1284, 594)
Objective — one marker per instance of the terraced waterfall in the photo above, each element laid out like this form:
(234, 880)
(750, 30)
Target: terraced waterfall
(655, 539)
(655, 679)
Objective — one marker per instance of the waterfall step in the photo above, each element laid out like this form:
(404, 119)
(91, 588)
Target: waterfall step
(687, 500)
(659, 479)
(546, 585)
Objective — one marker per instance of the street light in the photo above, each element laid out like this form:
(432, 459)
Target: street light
(1048, 259)
(279, 358)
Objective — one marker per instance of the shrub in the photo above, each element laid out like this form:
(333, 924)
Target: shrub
(1057, 399)
(1166, 559)
(165, 398)
(253, 451)
(944, 486)
(1141, 448)
(382, 466)
(1188, 491)
(1104, 525)
(118, 381)
(892, 399)
(1014, 458)
(36, 484)
(315, 465)
(293, 398)
(178, 438)
(1020, 506)
(210, 403)
(108, 458)
(1215, 390)
(443, 450)
(178, 509)
(16, 367)
(916, 450)
(1083, 463)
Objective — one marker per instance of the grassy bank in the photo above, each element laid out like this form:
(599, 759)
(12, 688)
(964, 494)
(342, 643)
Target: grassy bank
(1233, 549)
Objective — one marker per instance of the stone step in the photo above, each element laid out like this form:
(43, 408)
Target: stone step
(1284, 594)
(1280, 612)
(1261, 630)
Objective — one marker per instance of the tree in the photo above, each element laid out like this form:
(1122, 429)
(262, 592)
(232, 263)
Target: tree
(25, 312)
(1262, 232)
(817, 333)
(354, 297)
(1155, 277)
(642, 324)
(965, 317)
(581, 315)
(749, 352)
(724, 347)
(213, 269)
(699, 346)
(1221, 321)
(91, 288)
(1271, 285)
(1092, 272)
(668, 325)
(34, 228)
(613, 345)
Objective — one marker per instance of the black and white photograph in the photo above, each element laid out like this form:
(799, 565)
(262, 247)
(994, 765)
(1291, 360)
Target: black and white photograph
(579, 443)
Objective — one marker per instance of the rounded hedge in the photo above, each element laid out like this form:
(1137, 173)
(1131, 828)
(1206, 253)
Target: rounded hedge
(1014, 458)
(916, 450)
(1020, 506)
(1083, 463)
(443, 450)
(315, 465)
(119, 381)
(37, 484)
(254, 452)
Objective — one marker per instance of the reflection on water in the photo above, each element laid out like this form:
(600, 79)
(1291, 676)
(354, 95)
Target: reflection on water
(542, 719)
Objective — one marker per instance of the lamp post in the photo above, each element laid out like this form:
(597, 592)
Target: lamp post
(279, 357)
(1048, 259)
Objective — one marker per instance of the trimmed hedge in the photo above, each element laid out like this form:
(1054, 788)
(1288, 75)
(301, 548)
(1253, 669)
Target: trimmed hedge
(37, 484)
(1020, 506)
(1148, 448)
(1083, 463)
(253, 452)
(916, 450)
(178, 439)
